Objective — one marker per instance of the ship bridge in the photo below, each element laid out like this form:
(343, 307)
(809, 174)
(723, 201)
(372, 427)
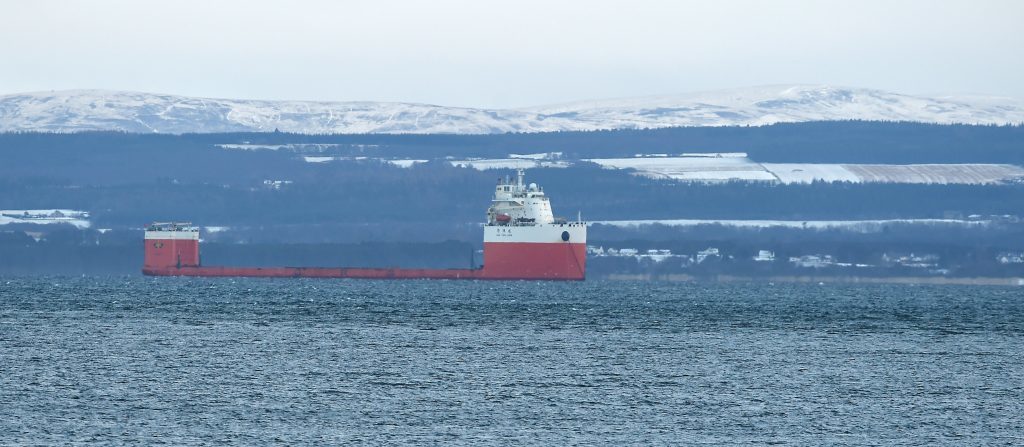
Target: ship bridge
(518, 204)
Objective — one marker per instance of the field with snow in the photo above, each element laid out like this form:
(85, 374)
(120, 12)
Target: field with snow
(694, 169)
(787, 173)
(725, 167)
(715, 168)
(937, 173)
(865, 226)
(508, 163)
(399, 163)
(718, 169)
(79, 219)
(303, 147)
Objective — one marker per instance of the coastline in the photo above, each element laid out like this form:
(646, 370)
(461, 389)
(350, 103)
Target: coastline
(677, 277)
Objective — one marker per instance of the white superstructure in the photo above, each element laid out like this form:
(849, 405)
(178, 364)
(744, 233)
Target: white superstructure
(519, 203)
(179, 231)
(520, 212)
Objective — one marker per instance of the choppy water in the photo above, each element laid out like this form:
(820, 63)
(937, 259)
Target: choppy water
(220, 361)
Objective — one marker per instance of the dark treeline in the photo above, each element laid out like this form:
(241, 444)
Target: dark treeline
(130, 179)
(369, 213)
(74, 252)
(814, 142)
(954, 250)
(907, 236)
(127, 180)
(355, 193)
(957, 250)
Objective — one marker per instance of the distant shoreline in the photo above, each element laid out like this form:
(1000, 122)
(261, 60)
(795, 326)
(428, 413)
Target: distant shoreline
(676, 277)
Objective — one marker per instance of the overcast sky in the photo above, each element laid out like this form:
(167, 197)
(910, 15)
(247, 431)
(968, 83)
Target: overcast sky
(507, 54)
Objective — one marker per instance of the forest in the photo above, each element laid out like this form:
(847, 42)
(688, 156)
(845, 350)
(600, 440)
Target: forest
(127, 180)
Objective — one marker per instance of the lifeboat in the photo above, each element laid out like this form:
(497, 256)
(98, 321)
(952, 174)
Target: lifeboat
(503, 218)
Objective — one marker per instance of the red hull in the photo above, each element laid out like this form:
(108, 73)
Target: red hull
(315, 272)
(519, 260)
(171, 252)
(502, 261)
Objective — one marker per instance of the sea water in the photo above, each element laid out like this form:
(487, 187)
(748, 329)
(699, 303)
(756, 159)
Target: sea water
(278, 361)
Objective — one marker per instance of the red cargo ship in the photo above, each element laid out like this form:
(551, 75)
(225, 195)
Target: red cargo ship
(522, 240)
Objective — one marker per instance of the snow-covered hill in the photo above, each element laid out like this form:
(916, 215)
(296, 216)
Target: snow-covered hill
(787, 103)
(75, 110)
(78, 110)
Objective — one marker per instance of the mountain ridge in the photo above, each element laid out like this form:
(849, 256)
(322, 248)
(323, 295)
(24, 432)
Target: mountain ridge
(140, 112)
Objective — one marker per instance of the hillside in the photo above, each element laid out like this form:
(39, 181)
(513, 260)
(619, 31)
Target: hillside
(86, 110)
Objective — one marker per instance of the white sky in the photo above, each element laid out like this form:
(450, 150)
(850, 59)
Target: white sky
(510, 53)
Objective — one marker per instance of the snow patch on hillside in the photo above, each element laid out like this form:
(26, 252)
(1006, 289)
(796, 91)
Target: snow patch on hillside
(865, 226)
(722, 169)
(508, 163)
(79, 219)
(695, 169)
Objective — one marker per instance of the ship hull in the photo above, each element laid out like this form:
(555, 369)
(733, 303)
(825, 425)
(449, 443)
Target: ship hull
(315, 272)
(516, 260)
(526, 243)
(559, 272)
(551, 261)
